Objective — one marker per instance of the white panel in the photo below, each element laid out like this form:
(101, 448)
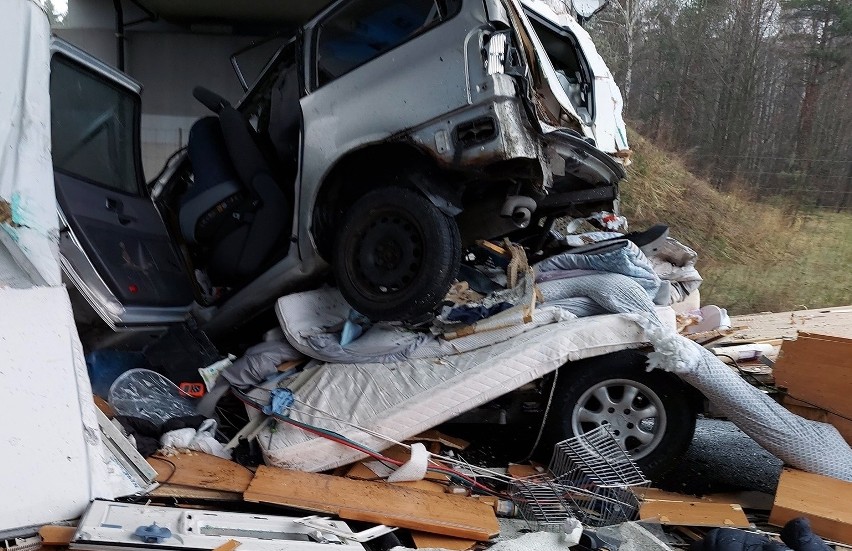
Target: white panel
(53, 462)
(27, 201)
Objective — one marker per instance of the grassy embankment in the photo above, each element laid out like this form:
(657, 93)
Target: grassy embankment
(753, 256)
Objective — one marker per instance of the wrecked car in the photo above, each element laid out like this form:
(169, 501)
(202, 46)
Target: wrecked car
(376, 144)
(372, 155)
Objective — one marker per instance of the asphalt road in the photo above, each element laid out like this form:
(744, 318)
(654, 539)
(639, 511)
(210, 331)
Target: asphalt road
(722, 458)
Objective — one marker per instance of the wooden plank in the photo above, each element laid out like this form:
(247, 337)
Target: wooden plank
(747, 499)
(201, 470)
(377, 502)
(56, 535)
(187, 492)
(433, 435)
(360, 471)
(694, 513)
(826, 502)
(425, 540)
(229, 545)
(517, 470)
(818, 371)
(825, 321)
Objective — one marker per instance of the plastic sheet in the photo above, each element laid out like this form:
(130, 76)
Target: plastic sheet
(147, 394)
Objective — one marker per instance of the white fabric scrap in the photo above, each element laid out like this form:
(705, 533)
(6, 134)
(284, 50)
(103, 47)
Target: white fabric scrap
(201, 440)
(413, 469)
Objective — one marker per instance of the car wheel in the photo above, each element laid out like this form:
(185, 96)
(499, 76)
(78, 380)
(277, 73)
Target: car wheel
(396, 254)
(649, 414)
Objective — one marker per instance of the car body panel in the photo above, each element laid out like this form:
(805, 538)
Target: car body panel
(114, 245)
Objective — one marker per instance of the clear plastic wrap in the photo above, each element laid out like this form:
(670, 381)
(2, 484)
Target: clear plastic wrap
(147, 394)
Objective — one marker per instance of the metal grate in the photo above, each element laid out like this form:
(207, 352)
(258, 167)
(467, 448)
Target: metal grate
(590, 479)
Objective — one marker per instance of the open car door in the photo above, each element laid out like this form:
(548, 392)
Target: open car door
(114, 246)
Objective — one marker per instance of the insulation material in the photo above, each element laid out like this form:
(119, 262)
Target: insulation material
(405, 398)
(28, 219)
(54, 461)
(808, 445)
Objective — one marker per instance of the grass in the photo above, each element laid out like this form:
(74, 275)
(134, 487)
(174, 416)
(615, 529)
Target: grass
(753, 256)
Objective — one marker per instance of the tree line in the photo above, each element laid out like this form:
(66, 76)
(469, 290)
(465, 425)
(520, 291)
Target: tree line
(754, 93)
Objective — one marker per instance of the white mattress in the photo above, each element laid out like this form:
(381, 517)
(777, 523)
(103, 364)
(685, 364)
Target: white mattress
(402, 399)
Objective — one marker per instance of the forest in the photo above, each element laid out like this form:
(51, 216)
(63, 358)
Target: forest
(755, 95)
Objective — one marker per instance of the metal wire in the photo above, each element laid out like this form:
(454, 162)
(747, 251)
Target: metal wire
(590, 478)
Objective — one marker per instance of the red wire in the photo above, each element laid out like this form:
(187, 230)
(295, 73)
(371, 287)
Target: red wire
(380, 457)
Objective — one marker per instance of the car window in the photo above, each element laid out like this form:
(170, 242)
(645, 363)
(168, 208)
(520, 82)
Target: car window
(93, 127)
(365, 29)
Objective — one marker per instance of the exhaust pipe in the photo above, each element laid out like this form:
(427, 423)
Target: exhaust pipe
(519, 208)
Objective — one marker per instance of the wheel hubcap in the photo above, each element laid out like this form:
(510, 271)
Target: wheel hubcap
(389, 253)
(633, 412)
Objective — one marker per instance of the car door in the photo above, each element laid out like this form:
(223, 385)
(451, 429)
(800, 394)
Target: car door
(114, 246)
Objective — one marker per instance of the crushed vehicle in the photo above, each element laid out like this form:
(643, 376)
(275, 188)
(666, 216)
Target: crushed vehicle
(336, 161)
(377, 144)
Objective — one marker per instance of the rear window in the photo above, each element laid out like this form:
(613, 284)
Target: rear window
(364, 29)
(93, 127)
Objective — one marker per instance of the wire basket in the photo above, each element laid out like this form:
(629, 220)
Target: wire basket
(541, 502)
(590, 478)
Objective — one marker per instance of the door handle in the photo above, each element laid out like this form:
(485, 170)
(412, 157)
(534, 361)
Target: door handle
(114, 205)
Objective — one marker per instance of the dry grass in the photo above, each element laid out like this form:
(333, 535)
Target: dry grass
(753, 256)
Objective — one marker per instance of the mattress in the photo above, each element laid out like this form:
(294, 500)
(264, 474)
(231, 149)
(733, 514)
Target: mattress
(402, 399)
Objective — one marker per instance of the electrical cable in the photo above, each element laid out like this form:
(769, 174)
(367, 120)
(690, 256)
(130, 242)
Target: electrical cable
(485, 473)
(340, 439)
(543, 419)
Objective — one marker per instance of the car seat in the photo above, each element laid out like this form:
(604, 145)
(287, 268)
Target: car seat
(235, 210)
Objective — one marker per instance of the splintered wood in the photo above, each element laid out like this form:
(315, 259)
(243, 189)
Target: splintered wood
(377, 502)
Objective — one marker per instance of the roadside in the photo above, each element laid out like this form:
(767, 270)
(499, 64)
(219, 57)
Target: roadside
(755, 256)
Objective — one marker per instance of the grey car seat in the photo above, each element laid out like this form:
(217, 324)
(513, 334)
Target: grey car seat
(235, 210)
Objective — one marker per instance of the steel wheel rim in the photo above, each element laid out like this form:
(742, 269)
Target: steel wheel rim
(634, 413)
(388, 254)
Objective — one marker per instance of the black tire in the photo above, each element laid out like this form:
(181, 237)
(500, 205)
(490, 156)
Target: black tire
(576, 408)
(396, 255)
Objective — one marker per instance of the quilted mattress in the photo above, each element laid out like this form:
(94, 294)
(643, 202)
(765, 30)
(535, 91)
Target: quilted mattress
(402, 399)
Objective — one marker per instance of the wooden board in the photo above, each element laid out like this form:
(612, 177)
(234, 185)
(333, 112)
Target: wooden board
(818, 371)
(200, 470)
(175, 491)
(377, 502)
(690, 513)
(826, 502)
(836, 322)
(425, 540)
(360, 471)
(433, 435)
(57, 535)
(747, 499)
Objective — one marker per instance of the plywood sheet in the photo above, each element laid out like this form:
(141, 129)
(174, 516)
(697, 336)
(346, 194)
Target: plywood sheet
(378, 502)
(818, 371)
(691, 513)
(425, 540)
(201, 470)
(826, 502)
